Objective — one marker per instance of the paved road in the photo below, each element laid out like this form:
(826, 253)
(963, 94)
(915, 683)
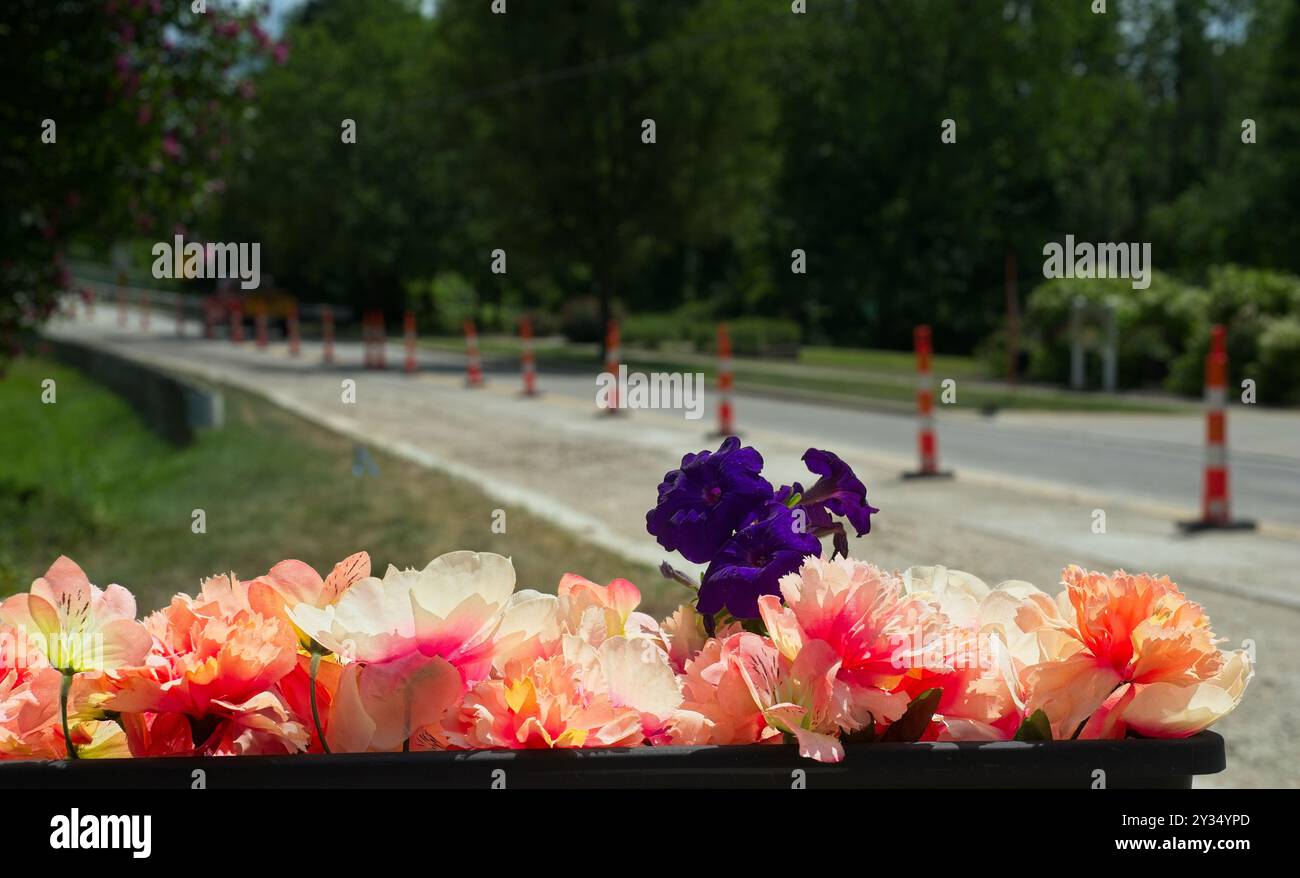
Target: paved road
(1122, 454)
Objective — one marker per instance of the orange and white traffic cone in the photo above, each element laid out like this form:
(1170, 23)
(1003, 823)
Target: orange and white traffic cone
(1215, 512)
(259, 326)
(527, 356)
(927, 444)
(381, 341)
(327, 334)
(295, 337)
(408, 338)
(726, 414)
(473, 364)
(613, 357)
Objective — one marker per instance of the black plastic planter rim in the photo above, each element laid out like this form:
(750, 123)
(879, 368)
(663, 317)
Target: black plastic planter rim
(1133, 762)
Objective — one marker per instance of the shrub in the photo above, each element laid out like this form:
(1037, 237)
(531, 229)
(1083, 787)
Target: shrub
(1277, 369)
(654, 330)
(1249, 302)
(763, 336)
(1153, 325)
(580, 320)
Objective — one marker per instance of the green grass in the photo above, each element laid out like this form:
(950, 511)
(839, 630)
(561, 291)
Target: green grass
(84, 477)
(901, 362)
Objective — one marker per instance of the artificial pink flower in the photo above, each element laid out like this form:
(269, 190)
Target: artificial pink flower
(876, 631)
(967, 653)
(75, 625)
(594, 612)
(411, 643)
(1129, 651)
(585, 696)
(29, 700)
(718, 685)
(215, 661)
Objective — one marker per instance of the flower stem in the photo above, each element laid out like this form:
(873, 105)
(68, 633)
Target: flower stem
(63, 713)
(315, 714)
(667, 571)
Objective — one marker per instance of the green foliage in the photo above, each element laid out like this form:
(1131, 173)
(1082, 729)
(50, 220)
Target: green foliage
(763, 336)
(819, 132)
(581, 321)
(692, 330)
(1277, 369)
(443, 304)
(1035, 727)
(915, 720)
(1153, 325)
(85, 477)
(141, 98)
(1254, 305)
(1164, 331)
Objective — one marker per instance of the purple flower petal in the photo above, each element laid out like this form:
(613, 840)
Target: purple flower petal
(752, 563)
(837, 492)
(702, 503)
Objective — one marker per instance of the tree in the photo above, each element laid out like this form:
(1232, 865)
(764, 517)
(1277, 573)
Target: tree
(605, 138)
(115, 118)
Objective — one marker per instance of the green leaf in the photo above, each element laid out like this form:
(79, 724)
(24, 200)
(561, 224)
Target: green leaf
(912, 724)
(864, 735)
(1034, 727)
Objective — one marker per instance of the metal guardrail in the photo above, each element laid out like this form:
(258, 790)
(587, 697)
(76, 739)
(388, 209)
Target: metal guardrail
(174, 408)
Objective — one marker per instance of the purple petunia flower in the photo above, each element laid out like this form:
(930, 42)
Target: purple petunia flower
(838, 491)
(704, 501)
(752, 563)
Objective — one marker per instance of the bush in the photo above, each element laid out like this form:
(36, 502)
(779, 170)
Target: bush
(763, 336)
(696, 330)
(1277, 370)
(580, 320)
(1153, 326)
(1249, 302)
(655, 331)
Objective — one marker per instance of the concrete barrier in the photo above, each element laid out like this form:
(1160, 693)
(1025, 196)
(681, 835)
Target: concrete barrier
(174, 408)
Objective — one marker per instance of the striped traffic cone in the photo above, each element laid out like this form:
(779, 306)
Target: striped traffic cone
(327, 334)
(259, 326)
(927, 443)
(726, 413)
(121, 299)
(1215, 511)
(613, 357)
(295, 337)
(473, 364)
(408, 338)
(527, 356)
(380, 341)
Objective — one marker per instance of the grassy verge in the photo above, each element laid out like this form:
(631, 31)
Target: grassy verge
(883, 377)
(85, 478)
